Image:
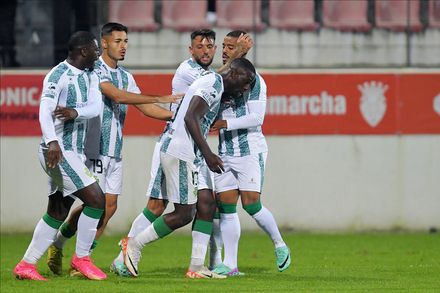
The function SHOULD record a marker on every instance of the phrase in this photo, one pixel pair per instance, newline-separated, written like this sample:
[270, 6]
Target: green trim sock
[93, 213]
[253, 208]
[95, 242]
[54, 223]
[217, 215]
[66, 231]
[227, 208]
[203, 226]
[149, 215]
[161, 228]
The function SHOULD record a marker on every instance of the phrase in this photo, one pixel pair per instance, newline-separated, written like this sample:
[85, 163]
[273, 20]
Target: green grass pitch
[397, 262]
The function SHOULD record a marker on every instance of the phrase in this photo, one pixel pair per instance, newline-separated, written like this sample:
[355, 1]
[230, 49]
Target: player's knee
[253, 208]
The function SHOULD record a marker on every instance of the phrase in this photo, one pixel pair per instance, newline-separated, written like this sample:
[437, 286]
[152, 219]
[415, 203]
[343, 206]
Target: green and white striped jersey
[68, 86]
[177, 140]
[243, 141]
[105, 134]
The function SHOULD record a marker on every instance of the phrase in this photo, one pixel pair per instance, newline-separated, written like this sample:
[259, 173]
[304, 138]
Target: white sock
[139, 224]
[41, 240]
[145, 237]
[86, 235]
[60, 240]
[231, 231]
[266, 221]
[215, 245]
[199, 247]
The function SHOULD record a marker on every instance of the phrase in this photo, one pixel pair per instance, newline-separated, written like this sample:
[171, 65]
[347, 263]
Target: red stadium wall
[298, 104]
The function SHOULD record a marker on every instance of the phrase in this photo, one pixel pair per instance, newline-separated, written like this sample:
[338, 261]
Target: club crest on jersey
[373, 103]
[88, 173]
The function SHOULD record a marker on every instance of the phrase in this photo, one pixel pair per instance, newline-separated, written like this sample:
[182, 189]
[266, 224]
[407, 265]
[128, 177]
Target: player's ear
[104, 43]
[84, 51]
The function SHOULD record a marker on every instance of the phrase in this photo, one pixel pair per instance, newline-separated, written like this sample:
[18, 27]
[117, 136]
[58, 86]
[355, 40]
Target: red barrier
[297, 103]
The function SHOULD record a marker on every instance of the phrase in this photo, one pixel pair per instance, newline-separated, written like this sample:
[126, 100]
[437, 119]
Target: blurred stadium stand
[184, 15]
[136, 15]
[346, 15]
[393, 15]
[293, 15]
[287, 34]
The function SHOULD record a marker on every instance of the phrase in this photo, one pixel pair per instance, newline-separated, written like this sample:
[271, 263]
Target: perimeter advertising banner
[297, 104]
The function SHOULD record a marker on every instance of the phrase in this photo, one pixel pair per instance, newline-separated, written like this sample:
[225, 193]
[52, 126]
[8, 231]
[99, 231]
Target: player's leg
[227, 189]
[202, 225]
[156, 205]
[215, 242]
[181, 186]
[231, 231]
[94, 205]
[250, 197]
[46, 229]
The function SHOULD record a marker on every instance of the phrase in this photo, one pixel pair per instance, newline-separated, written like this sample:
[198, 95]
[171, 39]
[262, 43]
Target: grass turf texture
[320, 263]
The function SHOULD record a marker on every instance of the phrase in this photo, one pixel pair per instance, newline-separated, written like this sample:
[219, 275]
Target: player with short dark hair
[183, 152]
[71, 96]
[104, 139]
[243, 149]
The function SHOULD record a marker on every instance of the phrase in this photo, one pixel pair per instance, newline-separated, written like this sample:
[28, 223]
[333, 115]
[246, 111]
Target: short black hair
[81, 39]
[110, 27]
[204, 32]
[243, 63]
[236, 33]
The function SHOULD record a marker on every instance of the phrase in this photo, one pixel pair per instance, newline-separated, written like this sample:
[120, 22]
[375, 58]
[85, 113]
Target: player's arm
[55, 154]
[255, 118]
[154, 111]
[196, 109]
[243, 45]
[124, 97]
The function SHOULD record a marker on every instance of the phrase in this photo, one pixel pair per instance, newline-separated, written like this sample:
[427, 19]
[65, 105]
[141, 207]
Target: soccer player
[202, 51]
[71, 95]
[243, 149]
[104, 140]
[183, 152]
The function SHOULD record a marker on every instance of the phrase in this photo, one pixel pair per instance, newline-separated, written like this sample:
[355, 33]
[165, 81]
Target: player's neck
[109, 61]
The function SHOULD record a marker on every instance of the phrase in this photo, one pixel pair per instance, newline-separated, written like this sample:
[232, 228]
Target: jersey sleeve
[103, 73]
[93, 107]
[132, 86]
[210, 89]
[51, 90]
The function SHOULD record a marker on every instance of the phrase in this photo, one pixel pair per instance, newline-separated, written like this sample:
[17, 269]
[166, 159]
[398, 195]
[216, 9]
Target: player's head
[238, 78]
[114, 41]
[229, 44]
[83, 50]
[203, 47]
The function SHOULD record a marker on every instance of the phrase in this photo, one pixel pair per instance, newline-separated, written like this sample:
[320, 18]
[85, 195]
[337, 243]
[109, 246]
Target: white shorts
[157, 185]
[206, 177]
[181, 180]
[69, 176]
[243, 173]
[107, 171]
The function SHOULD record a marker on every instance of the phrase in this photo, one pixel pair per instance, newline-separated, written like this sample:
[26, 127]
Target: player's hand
[65, 114]
[219, 124]
[175, 99]
[215, 164]
[54, 155]
[243, 45]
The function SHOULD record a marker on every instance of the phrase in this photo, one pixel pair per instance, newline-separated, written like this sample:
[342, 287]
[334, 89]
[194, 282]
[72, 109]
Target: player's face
[229, 48]
[203, 51]
[115, 45]
[240, 81]
[92, 56]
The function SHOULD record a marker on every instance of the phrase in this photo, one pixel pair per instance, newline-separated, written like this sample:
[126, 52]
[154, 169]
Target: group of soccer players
[81, 151]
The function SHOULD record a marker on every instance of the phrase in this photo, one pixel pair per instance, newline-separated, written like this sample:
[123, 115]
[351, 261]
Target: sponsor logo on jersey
[373, 103]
